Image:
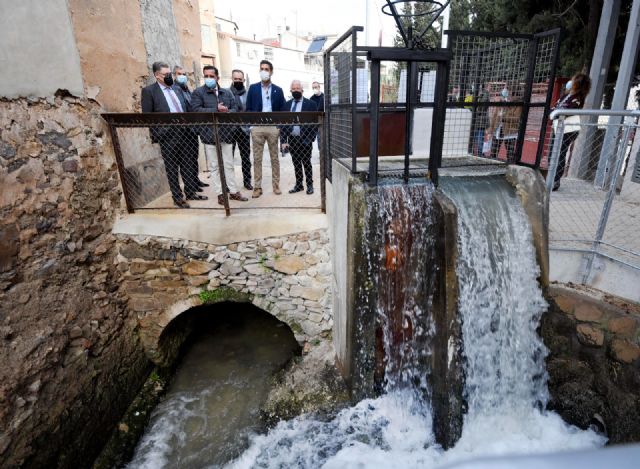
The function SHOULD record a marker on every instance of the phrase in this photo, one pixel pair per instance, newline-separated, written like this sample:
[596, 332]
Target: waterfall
[500, 304]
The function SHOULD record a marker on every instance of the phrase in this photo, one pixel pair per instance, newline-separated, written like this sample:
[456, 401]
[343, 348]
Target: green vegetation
[223, 294]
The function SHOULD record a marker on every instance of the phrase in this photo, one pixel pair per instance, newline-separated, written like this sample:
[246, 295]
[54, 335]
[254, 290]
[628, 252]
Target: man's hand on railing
[222, 108]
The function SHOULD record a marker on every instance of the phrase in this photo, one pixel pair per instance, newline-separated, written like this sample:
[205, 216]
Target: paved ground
[300, 200]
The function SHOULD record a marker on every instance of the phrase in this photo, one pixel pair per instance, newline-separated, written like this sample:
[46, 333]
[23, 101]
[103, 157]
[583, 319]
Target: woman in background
[579, 87]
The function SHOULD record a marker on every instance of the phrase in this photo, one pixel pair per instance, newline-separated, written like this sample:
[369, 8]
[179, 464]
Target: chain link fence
[594, 188]
[229, 161]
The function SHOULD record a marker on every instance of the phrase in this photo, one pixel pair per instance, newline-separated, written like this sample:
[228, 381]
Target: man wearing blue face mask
[181, 87]
[212, 98]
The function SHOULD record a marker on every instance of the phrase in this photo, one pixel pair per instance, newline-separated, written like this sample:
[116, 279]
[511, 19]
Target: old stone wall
[71, 357]
[287, 276]
[594, 361]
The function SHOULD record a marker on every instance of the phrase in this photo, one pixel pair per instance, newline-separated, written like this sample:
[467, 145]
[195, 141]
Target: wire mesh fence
[594, 188]
[219, 161]
[498, 89]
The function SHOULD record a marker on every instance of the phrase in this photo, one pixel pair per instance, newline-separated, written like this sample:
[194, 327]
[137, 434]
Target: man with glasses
[265, 97]
[161, 97]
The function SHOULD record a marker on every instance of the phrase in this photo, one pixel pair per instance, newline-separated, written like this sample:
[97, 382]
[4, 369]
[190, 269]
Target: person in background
[481, 121]
[578, 89]
[240, 135]
[503, 127]
[265, 97]
[161, 97]
[212, 98]
[181, 87]
[318, 100]
[299, 139]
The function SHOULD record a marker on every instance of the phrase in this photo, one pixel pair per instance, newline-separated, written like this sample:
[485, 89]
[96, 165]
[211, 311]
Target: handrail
[593, 112]
[344, 37]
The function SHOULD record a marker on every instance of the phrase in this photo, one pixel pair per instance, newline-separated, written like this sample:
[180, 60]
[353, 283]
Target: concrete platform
[212, 226]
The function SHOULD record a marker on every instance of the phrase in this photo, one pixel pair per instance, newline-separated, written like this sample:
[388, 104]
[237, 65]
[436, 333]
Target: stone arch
[162, 333]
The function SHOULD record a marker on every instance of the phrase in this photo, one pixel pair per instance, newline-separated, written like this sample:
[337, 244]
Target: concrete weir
[386, 302]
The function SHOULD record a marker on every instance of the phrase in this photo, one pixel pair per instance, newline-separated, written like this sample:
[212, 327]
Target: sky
[319, 17]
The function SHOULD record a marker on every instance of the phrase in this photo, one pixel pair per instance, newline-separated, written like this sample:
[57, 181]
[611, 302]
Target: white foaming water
[500, 305]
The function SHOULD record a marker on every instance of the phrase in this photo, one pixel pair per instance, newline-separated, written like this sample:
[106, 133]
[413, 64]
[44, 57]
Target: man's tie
[296, 128]
[175, 102]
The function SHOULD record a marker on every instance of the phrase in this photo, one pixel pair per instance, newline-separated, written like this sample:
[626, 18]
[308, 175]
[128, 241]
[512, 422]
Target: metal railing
[229, 161]
[593, 184]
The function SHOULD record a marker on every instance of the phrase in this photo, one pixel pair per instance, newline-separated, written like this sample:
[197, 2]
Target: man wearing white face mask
[265, 97]
[181, 87]
[212, 98]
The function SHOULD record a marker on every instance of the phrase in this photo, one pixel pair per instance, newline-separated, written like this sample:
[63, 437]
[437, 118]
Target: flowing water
[212, 404]
[500, 304]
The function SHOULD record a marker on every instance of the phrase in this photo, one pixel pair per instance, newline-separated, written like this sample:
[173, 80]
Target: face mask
[238, 85]
[569, 85]
[210, 82]
[264, 75]
[316, 91]
[296, 95]
[504, 93]
[168, 80]
[182, 80]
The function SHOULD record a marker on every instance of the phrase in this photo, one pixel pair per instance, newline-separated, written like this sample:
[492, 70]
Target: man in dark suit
[161, 97]
[299, 139]
[265, 97]
[240, 134]
[181, 87]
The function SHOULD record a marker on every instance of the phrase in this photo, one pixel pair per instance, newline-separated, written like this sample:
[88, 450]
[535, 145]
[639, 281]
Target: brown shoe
[277, 191]
[238, 196]
[220, 199]
[257, 192]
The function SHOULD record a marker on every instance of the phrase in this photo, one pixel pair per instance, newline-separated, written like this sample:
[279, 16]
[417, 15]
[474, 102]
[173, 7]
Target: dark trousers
[301, 158]
[192, 150]
[509, 144]
[567, 140]
[242, 140]
[178, 162]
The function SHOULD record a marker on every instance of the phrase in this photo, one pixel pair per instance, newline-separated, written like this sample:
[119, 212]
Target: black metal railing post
[374, 122]
[526, 98]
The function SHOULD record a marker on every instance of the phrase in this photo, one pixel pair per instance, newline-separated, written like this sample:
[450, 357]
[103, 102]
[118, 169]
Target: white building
[303, 62]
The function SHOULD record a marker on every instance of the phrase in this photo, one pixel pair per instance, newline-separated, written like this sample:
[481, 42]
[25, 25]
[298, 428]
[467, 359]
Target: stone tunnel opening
[225, 357]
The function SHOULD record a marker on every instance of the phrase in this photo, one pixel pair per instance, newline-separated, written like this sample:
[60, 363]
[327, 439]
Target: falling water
[500, 304]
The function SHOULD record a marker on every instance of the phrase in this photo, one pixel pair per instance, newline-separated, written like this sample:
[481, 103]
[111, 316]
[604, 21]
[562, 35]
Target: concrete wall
[187, 17]
[159, 28]
[38, 47]
[112, 51]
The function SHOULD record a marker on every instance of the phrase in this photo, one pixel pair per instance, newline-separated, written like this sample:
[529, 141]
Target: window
[238, 49]
[268, 53]
[206, 36]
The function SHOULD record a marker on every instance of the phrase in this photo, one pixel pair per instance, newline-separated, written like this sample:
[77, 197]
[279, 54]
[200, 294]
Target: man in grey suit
[212, 98]
[161, 97]
[192, 146]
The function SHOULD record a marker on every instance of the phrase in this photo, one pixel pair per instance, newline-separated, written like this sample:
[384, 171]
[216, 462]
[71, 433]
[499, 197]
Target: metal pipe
[374, 117]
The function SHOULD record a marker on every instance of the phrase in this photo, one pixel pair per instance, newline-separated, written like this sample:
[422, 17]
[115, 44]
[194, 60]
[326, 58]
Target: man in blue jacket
[212, 98]
[265, 97]
[299, 139]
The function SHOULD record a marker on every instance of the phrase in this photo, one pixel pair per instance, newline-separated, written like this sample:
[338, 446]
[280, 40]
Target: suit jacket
[204, 99]
[254, 98]
[318, 101]
[186, 95]
[307, 132]
[153, 100]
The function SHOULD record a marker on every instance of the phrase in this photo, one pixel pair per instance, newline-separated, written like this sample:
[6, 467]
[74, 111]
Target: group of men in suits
[179, 146]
